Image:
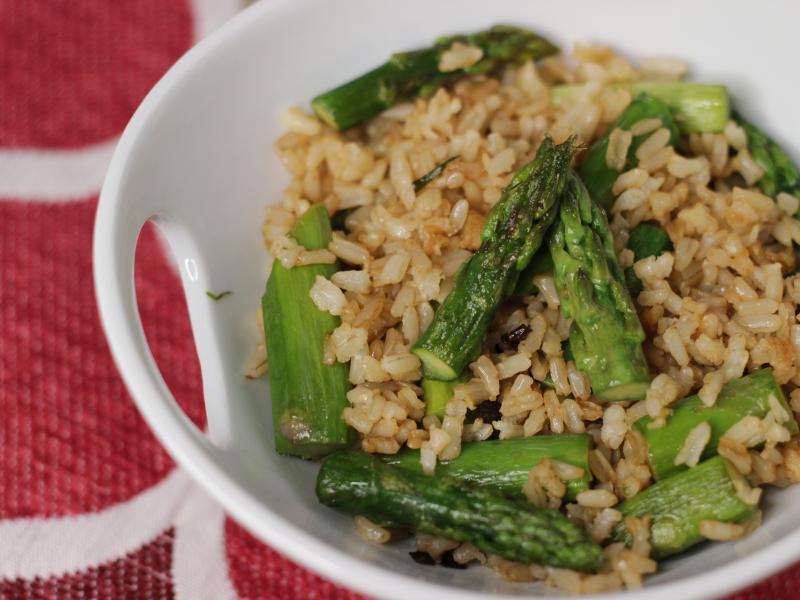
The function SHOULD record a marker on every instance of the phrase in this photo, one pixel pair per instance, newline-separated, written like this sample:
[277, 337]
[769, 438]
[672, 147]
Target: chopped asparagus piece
[679, 503]
[308, 396]
[695, 106]
[594, 170]
[739, 398]
[606, 336]
[512, 233]
[438, 393]
[416, 73]
[361, 484]
[502, 465]
[646, 239]
[780, 174]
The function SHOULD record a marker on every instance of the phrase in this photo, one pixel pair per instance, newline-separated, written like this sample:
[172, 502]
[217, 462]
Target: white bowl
[196, 158]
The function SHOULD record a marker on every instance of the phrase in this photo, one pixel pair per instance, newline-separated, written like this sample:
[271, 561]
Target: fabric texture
[90, 505]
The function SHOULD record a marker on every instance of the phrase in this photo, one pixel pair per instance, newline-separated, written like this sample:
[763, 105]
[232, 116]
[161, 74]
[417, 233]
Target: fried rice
[714, 308]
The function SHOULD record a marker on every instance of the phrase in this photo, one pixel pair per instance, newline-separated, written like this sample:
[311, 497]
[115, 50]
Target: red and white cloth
[90, 505]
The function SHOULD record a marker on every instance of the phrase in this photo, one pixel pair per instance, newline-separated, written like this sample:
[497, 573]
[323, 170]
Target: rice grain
[693, 446]
[719, 531]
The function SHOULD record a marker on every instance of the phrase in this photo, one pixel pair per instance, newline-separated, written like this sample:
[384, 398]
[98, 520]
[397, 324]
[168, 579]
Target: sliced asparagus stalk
[438, 393]
[678, 504]
[512, 233]
[739, 398]
[606, 336]
[695, 106]
[361, 484]
[598, 176]
[646, 239]
[780, 173]
[308, 396]
[502, 465]
[417, 73]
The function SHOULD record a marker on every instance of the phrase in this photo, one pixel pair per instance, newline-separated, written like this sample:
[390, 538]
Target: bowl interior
[200, 160]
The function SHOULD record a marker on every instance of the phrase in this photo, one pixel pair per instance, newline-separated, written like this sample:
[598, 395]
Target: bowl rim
[204, 465]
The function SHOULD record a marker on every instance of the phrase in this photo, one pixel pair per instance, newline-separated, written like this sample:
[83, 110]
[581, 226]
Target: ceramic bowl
[197, 160]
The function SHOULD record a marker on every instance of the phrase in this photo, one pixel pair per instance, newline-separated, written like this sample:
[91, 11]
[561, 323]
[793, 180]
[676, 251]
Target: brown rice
[713, 308]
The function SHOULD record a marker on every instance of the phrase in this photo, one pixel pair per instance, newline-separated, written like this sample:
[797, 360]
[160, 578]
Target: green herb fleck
[218, 297]
[432, 174]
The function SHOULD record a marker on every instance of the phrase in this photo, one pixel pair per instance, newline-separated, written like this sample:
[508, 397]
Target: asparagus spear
[307, 396]
[606, 336]
[780, 174]
[739, 398]
[646, 239]
[695, 106]
[417, 73]
[594, 170]
[502, 465]
[438, 393]
[541, 263]
[513, 231]
[361, 484]
[679, 503]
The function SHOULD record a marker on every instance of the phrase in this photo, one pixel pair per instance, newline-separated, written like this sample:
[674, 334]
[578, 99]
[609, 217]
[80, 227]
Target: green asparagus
[502, 465]
[679, 503]
[512, 233]
[437, 393]
[780, 174]
[739, 398]
[646, 239]
[541, 263]
[417, 73]
[307, 396]
[606, 336]
[361, 484]
[695, 106]
[598, 176]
